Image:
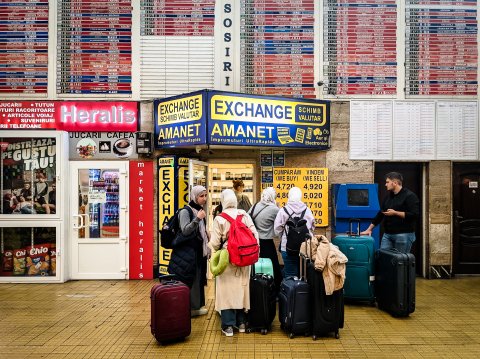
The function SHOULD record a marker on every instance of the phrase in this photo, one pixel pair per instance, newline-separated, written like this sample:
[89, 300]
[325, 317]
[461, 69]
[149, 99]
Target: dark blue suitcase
[395, 282]
[360, 271]
[294, 305]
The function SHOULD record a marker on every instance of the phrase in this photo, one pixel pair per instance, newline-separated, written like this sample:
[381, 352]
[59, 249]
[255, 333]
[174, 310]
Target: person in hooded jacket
[263, 214]
[188, 261]
[295, 207]
[232, 290]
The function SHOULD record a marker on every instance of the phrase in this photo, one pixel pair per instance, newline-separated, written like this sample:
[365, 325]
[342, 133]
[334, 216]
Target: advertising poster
[141, 220]
[314, 185]
[182, 182]
[279, 158]
[266, 158]
[180, 121]
[166, 204]
[267, 177]
[28, 170]
[249, 120]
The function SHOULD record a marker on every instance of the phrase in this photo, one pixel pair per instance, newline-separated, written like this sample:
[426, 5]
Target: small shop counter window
[28, 252]
[28, 169]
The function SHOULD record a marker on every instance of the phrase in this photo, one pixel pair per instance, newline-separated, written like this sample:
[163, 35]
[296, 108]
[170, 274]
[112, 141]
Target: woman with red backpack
[232, 291]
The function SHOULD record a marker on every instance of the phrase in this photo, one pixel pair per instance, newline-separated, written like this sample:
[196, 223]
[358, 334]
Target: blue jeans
[232, 317]
[291, 265]
[401, 241]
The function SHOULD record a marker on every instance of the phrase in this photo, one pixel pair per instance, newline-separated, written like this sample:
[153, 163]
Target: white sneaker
[241, 328]
[228, 331]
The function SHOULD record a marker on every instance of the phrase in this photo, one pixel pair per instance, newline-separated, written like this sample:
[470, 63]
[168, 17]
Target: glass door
[99, 221]
[198, 175]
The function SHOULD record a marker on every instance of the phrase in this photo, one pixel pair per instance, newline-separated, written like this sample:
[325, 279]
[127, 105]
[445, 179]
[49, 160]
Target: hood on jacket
[295, 207]
[295, 194]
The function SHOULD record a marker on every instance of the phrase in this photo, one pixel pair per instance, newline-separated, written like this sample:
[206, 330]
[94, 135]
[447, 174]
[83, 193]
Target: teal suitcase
[360, 272]
[264, 265]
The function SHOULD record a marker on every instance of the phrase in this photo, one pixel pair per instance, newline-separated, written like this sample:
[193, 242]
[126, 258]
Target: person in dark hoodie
[295, 208]
[189, 260]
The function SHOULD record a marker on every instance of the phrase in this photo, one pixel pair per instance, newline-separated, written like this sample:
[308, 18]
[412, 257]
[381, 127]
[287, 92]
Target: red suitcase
[170, 310]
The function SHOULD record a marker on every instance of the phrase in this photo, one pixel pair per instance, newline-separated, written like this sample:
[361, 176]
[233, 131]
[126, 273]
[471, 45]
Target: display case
[101, 196]
[221, 177]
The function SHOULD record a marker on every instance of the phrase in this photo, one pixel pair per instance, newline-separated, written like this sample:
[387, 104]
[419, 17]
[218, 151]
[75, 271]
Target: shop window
[28, 173]
[28, 251]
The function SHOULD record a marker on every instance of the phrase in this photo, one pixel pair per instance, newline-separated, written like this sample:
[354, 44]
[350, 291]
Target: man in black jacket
[399, 214]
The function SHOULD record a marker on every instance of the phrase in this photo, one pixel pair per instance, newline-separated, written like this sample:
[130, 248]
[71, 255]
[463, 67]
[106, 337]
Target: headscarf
[194, 194]
[268, 196]
[228, 199]
[295, 194]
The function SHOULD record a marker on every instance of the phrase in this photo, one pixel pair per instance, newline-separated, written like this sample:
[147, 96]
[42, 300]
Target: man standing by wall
[399, 212]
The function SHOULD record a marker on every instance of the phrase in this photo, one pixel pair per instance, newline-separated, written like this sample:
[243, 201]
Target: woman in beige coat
[232, 292]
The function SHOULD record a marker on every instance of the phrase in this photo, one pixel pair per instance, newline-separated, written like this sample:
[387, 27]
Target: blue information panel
[94, 47]
[250, 120]
[23, 47]
[180, 120]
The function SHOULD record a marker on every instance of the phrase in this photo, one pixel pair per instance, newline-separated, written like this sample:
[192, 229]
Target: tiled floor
[110, 319]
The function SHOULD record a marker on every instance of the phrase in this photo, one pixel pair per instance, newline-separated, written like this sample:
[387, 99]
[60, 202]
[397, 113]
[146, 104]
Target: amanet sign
[242, 120]
[180, 121]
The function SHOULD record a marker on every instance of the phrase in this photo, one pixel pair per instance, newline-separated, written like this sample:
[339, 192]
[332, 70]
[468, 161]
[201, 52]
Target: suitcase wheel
[314, 337]
[337, 335]
[291, 335]
[264, 331]
[249, 330]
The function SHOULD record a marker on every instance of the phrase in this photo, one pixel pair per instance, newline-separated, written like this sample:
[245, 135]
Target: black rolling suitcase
[395, 282]
[263, 302]
[294, 305]
[327, 310]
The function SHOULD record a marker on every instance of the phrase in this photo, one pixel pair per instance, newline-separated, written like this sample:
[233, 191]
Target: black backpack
[171, 229]
[296, 231]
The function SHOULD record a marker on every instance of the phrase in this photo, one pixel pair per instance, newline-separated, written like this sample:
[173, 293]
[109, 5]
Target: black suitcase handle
[167, 278]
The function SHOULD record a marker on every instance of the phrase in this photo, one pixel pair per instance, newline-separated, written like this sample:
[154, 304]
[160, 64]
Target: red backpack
[243, 248]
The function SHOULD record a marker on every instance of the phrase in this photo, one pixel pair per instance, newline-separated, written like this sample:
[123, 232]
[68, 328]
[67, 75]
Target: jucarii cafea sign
[69, 115]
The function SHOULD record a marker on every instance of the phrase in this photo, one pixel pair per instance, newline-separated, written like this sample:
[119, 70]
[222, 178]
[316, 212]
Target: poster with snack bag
[53, 261]
[38, 260]
[7, 262]
[19, 261]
